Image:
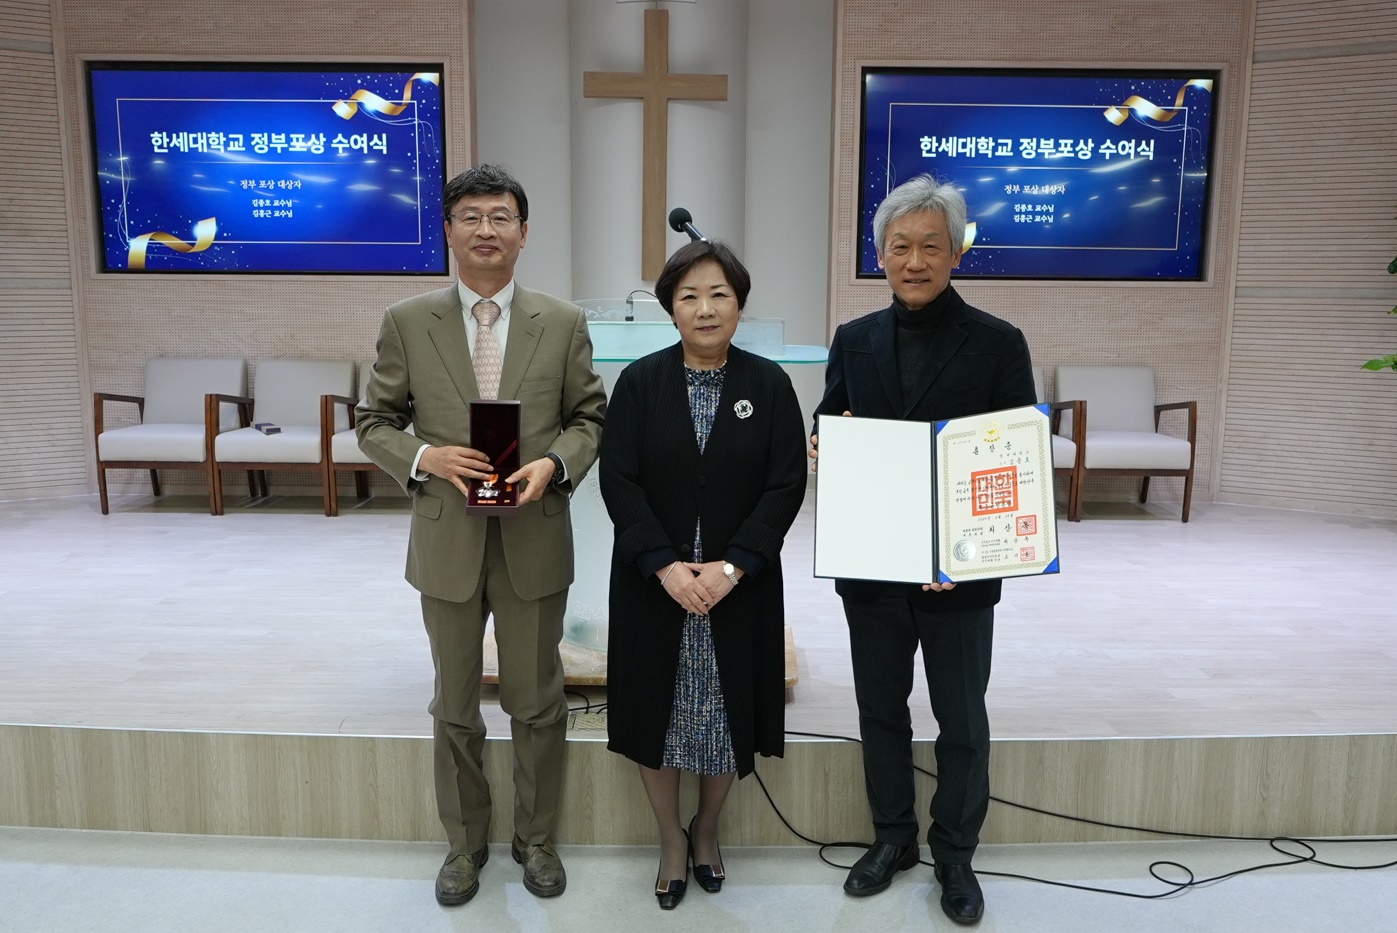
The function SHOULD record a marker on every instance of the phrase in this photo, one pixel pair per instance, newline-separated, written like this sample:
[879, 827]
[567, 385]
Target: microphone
[681, 221]
[630, 302]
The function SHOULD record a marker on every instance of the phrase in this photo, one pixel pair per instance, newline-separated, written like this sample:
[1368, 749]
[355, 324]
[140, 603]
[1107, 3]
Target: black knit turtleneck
[915, 332]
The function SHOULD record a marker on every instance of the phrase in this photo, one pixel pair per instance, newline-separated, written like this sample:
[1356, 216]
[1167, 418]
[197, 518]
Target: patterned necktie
[488, 361]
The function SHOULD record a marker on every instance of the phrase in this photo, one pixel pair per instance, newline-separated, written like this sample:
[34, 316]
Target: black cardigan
[746, 487]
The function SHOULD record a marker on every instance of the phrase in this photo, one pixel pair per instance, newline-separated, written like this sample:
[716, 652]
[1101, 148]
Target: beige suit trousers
[527, 633]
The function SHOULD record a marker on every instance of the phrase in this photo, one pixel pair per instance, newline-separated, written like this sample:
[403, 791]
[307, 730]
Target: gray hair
[922, 193]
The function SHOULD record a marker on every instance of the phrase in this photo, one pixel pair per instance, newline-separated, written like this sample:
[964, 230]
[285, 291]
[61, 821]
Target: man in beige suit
[487, 337]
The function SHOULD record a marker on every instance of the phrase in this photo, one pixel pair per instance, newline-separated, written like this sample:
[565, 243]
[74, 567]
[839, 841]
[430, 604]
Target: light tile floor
[67, 881]
[1232, 624]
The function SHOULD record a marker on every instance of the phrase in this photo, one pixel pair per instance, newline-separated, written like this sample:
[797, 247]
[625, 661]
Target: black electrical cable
[586, 700]
[588, 706]
[1310, 855]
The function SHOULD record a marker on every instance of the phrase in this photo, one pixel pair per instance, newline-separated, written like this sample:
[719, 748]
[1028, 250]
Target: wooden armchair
[1067, 452]
[287, 394]
[177, 423]
[342, 446]
[1123, 438]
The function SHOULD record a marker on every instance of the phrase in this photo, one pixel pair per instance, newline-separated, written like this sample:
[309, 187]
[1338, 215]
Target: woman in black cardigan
[703, 470]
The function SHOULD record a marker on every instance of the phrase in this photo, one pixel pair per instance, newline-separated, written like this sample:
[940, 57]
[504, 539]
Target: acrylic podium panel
[617, 342]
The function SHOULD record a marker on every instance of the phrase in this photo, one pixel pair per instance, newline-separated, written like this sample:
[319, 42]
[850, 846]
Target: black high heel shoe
[710, 880]
[673, 892]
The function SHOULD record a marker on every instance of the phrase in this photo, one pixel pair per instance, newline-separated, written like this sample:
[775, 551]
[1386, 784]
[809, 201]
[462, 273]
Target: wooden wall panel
[1305, 427]
[1318, 210]
[25, 21]
[1305, 26]
[363, 787]
[41, 421]
[42, 444]
[1177, 328]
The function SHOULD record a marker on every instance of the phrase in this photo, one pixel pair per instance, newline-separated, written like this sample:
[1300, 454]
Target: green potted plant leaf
[1389, 361]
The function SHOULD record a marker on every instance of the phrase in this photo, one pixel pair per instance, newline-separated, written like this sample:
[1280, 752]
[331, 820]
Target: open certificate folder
[963, 499]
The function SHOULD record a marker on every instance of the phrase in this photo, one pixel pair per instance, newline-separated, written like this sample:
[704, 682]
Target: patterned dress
[698, 739]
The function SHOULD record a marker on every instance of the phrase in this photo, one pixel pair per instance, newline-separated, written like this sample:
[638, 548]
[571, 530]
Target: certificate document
[874, 500]
[955, 501]
[994, 487]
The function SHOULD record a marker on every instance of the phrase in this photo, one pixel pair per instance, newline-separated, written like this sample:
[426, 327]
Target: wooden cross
[657, 86]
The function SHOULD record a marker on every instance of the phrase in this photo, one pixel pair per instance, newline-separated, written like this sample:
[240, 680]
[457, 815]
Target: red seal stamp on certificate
[994, 491]
[1028, 553]
[1026, 525]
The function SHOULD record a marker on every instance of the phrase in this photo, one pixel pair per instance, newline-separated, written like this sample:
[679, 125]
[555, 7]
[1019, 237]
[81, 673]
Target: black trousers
[884, 634]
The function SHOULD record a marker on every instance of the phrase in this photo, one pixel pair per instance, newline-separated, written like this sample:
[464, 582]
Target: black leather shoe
[672, 892]
[708, 878]
[874, 870]
[961, 897]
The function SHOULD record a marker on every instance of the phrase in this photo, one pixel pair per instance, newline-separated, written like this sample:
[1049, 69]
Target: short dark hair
[686, 257]
[484, 179]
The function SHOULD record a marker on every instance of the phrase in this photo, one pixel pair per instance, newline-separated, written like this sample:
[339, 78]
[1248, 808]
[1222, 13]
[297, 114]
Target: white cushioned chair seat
[153, 442]
[295, 444]
[344, 448]
[1064, 452]
[1133, 450]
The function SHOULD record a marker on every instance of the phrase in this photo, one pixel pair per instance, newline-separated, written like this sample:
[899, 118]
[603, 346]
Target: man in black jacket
[927, 357]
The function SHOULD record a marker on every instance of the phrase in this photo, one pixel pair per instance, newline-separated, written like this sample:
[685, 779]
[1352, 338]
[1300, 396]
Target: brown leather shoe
[543, 870]
[459, 878]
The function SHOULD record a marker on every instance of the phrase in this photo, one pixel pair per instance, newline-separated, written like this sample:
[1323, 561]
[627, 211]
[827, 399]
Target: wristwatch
[730, 572]
[558, 471]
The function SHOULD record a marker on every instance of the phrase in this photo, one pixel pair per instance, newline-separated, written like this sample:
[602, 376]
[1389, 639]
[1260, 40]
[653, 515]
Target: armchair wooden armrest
[327, 433]
[1077, 471]
[327, 410]
[327, 419]
[256, 479]
[1190, 407]
[214, 399]
[1079, 419]
[98, 398]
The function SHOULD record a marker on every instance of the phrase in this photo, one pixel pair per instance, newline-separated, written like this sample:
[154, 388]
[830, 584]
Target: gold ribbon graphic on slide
[969, 239]
[204, 232]
[1117, 115]
[372, 101]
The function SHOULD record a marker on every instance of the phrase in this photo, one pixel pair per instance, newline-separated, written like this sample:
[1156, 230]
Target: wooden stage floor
[275, 619]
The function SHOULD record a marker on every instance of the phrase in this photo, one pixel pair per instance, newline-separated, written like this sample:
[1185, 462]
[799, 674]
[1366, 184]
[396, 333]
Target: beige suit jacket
[424, 377]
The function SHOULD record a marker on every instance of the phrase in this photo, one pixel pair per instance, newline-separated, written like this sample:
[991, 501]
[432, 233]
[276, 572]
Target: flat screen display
[268, 168]
[1066, 174]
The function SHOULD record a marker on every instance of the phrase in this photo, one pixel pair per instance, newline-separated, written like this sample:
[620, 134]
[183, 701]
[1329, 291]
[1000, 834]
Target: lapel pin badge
[743, 409]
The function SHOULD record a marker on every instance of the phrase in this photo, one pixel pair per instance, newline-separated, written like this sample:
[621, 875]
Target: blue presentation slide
[1072, 176]
[268, 169]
